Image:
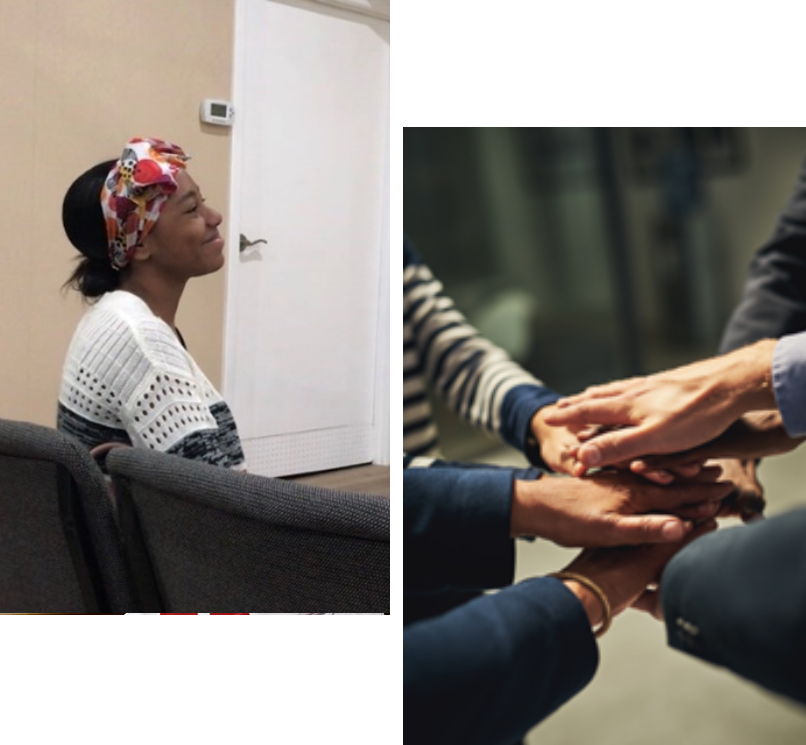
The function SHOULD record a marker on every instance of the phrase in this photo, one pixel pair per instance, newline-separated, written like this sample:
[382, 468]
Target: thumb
[638, 529]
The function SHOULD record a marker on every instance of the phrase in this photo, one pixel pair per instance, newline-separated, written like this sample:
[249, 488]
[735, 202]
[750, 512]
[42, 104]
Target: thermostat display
[214, 111]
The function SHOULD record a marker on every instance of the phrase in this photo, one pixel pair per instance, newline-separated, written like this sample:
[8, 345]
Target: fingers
[746, 505]
[625, 573]
[656, 557]
[698, 512]
[639, 529]
[586, 413]
[686, 470]
[705, 474]
[688, 504]
[600, 447]
[750, 516]
[586, 434]
[747, 498]
[665, 476]
[646, 468]
[680, 493]
[657, 477]
[649, 602]
[606, 390]
[692, 509]
[613, 447]
[662, 529]
[683, 463]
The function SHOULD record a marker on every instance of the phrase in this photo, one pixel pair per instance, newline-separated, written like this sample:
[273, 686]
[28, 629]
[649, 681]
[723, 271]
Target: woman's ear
[143, 251]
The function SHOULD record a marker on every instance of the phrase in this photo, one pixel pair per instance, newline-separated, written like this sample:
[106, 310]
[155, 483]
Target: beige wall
[77, 79]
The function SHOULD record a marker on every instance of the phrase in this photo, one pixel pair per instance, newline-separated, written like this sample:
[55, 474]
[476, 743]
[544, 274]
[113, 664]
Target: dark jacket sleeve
[456, 529]
[736, 598]
[490, 669]
[773, 303]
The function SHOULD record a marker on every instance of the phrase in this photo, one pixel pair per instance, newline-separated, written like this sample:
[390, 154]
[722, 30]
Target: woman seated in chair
[143, 229]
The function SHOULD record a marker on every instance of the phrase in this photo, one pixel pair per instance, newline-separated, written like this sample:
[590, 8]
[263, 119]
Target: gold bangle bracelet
[596, 590]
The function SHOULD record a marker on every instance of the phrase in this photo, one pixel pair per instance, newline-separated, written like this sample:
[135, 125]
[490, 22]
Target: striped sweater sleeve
[476, 379]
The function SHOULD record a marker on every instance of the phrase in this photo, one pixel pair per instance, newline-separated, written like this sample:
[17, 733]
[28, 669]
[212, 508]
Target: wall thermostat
[215, 111]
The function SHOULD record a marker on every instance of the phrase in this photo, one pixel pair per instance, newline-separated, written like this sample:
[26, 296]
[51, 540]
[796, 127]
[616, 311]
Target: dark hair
[83, 221]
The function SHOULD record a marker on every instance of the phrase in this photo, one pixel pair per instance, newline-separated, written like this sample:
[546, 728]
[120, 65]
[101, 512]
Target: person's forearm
[731, 384]
[455, 529]
[529, 515]
[750, 376]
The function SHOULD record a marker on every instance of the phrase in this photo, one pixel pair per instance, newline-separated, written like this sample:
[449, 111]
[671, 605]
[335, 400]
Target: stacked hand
[628, 575]
[559, 446]
[667, 412]
[614, 508]
[720, 408]
[683, 418]
[756, 435]
[636, 527]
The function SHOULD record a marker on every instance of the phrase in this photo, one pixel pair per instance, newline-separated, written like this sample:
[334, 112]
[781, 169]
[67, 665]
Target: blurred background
[591, 254]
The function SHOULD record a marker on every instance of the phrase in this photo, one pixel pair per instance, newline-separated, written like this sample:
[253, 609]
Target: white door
[307, 325]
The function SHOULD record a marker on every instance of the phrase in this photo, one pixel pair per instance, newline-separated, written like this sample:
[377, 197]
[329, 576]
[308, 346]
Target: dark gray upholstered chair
[59, 548]
[206, 539]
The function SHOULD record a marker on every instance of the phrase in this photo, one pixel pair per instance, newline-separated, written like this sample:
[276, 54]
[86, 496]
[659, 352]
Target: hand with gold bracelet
[609, 580]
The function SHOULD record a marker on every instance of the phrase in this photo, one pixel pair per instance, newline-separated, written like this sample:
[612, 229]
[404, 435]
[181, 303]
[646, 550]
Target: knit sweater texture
[127, 378]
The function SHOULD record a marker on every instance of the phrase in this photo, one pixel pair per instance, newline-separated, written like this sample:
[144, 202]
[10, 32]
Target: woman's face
[185, 241]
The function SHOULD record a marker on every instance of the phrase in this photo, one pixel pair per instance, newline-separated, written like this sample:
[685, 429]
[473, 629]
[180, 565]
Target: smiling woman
[143, 230]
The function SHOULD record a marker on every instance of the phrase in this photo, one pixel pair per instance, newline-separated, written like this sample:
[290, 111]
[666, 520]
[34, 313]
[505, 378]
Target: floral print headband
[135, 191]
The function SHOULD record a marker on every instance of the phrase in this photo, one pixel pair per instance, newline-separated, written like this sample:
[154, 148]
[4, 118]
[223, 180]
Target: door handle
[246, 243]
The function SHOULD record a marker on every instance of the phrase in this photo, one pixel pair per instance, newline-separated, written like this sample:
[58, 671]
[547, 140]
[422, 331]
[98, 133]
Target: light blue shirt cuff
[789, 382]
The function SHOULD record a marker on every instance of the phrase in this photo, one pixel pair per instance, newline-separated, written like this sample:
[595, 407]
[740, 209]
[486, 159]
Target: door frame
[383, 347]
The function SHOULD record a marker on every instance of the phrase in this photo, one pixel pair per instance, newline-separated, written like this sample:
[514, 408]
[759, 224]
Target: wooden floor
[363, 479]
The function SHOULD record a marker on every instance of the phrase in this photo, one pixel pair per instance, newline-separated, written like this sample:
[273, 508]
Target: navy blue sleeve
[456, 525]
[773, 303]
[485, 673]
[520, 405]
[736, 598]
